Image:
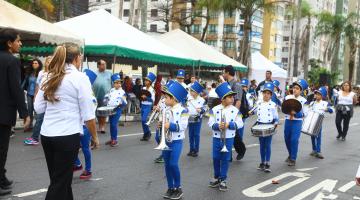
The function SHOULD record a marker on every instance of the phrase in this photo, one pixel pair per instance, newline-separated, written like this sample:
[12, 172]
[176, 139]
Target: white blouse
[346, 100]
[75, 105]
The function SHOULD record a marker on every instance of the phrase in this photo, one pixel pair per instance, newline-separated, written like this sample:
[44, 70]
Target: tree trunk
[307, 48]
[203, 35]
[121, 8]
[131, 14]
[352, 61]
[245, 41]
[297, 38]
[143, 16]
[335, 57]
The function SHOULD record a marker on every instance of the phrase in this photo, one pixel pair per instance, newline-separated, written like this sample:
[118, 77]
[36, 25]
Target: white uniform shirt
[193, 104]
[319, 106]
[346, 100]
[116, 97]
[178, 121]
[75, 105]
[250, 99]
[267, 112]
[152, 92]
[212, 93]
[232, 115]
[304, 108]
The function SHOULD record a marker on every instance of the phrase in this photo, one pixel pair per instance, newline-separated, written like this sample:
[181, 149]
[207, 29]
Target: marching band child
[160, 108]
[250, 100]
[276, 96]
[180, 77]
[116, 98]
[267, 114]
[176, 125]
[293, 122]
[196, 107]
[320, 106]
[85, 139]
[224, 120]
[146, 105]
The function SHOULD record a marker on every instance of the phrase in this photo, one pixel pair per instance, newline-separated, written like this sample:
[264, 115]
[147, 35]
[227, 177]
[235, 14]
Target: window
[284, 60]
[229, 44]
[285, 49]
[183, 14]
[229, 14]
[153, 28]
[154, 12]
[286, 38]
[108, 10]
[214, 15]
[213, 28]
[228, 28]
[136, 11]
[197, 12]
[126, 12]
[154, 0]
[212, 43]
[195, 29]
[126, 0]
[107, 0]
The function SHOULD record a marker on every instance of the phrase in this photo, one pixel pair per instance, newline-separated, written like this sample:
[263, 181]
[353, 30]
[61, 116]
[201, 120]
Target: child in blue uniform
[293, 122]
[276, 95]
[85, 139]
[196, 107]
[320, 106]
[115, 98]
[146, 105]
[176, 125]
[249, 100]
[266, 111]
[224, 120]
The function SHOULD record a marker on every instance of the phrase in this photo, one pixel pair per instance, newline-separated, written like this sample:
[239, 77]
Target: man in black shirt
[262, 83]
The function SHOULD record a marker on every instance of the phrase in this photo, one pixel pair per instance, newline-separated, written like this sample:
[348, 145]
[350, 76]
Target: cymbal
[291, 105]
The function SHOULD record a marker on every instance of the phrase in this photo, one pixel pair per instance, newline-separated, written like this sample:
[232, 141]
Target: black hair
[230, 69]
[268, 71]
[7, 35]
[213, 85]
[38, 69]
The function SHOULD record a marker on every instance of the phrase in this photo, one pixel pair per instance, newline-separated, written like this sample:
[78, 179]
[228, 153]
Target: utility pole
[61, 10]
[143, 26]
[297, 40]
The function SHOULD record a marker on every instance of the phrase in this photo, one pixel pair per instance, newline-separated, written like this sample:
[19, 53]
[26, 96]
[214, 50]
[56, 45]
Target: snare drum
[194, 118]
[263, 130]
[312, 123]
[105, 111]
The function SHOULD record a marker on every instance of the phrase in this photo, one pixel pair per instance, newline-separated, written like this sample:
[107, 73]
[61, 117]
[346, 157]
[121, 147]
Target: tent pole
[113, 65]
[199, 69]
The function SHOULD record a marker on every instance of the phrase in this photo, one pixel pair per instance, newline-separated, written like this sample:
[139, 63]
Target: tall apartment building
[131, 11]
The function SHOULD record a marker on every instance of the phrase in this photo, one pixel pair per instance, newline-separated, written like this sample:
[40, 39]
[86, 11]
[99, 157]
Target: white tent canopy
[197, 50]
[107, 35]
[32, 28]
[260, 64]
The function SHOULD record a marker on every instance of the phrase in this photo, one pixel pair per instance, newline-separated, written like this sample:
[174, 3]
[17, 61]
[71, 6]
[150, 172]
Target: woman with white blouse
[65, 97]
[344, 109]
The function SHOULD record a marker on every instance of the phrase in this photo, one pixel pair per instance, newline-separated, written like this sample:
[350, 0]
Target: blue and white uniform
[146, 106]
[233, 118]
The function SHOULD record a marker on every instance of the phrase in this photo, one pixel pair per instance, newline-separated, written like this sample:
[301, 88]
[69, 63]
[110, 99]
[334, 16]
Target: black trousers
[60, 153]
[5, 132]
[339, 118]
[239, 145]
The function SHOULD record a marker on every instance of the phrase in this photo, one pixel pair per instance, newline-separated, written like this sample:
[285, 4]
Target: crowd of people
[68, 103]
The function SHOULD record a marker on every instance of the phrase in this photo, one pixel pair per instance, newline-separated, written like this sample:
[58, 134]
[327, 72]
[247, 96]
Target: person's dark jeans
[5, 132]
[60, 153]
[339, 118]
[36, 130]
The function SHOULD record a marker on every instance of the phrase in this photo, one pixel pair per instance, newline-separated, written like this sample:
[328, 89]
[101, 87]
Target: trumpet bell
[162, 147]
[224, 149]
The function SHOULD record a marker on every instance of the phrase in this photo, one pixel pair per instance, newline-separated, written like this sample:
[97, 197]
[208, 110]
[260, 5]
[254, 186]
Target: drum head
[291, 105]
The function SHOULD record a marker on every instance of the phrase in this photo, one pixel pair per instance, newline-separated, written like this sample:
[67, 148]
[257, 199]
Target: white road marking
[96, 179]
[353, 124]
[129, 135]
[306, 169]
[31, 193]
[327, 185]
[347, 186]
[248, 146]
[356, 197]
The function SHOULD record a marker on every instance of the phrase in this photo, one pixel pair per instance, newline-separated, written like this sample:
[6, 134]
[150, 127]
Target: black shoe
[261, 167]
[292, 163]
[223, 187]
[267, 168]
[287, 159]
[338, 137]
[214, 183]
[195, 154]
[239, 157]
[4, 192]
[177, 194]
[144, 139]
[168, 193]
[190, 153]
[5, 183]
[343, 139]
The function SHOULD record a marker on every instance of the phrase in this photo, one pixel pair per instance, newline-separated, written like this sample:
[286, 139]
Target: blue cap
[115, 77]
[322, 90]
[177, 91]
[167, 85]
[224, 90]
[269, 87]
[197, 87]
[244, 82]
[151, 77]
[92, 75]
[180, 73]
[302, 84]
[276, 83]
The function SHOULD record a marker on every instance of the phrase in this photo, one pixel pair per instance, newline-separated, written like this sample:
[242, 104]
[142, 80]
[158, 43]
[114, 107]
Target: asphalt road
[128, 171]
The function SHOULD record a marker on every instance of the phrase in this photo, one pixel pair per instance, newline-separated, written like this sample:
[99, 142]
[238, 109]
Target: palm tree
[352, 34]
[334, 26]
[42, 8]
[210, 6]
[247, 9]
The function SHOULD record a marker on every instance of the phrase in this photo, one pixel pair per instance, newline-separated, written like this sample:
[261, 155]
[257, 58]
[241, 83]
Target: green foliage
[317, 70]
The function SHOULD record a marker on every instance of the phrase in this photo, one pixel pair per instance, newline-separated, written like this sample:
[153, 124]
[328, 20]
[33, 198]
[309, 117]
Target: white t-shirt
[346, 100]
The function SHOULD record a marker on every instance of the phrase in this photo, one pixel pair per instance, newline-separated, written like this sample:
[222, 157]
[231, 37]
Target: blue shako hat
[302, 84]
[92, 75]
[180, 73]
[197, 87]
[115, 77]
[177, 91]
[167, 85]
[276, 83]
[322, 90]
[244, 82]
[224, 90]
[151, 77]
[269, 87]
